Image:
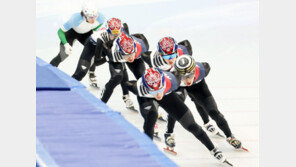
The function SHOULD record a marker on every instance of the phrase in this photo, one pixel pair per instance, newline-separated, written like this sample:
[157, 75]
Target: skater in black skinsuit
[156, 88]
[126, 50]
[95, 46]
[192, 77]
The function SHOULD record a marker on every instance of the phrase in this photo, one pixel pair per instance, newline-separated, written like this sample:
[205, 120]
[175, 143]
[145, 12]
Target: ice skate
[93, 80]
[220, 157]
[160, 117]
[212, 130]
[170, 143]
[129, 103]
[156, 134]
[235, 143]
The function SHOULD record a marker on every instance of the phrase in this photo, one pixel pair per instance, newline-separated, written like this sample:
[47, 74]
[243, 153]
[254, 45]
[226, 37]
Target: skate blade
[219, 135]
[162, 119]
[132, 109]
[94, 85]
[243, 148]
[168, 150]
[227, 163]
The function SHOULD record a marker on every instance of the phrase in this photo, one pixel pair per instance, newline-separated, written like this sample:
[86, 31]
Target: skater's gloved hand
[68, 48]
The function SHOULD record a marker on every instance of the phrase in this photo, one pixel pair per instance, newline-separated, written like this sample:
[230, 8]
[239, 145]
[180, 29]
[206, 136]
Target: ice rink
[223, 33]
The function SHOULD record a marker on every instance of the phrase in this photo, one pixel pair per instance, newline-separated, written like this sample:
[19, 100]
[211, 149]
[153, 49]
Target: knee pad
[63, 54]
[182, 94]
[84, 66]
[117, 78]
[148, 107]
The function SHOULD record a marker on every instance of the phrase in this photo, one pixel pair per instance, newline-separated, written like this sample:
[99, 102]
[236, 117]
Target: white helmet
[89, 9]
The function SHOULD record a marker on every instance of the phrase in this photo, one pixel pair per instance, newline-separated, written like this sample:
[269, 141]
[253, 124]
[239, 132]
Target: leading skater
[79, 27]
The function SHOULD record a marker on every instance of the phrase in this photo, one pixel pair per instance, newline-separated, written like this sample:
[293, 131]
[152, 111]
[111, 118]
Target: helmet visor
[154, 92]
[129, 55]
[169, 57]
[188, 75]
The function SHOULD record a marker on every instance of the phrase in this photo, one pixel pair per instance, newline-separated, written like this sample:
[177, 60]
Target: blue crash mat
[51, 78]
[75, 133]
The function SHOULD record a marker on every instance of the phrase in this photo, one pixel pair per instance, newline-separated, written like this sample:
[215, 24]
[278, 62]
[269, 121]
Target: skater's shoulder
[76, 18]
[101, 18]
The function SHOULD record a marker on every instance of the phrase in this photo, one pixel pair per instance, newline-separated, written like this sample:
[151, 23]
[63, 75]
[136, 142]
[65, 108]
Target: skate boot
[156, 133]
[170, 143]
[160, 117]
[212, 129]
[219, 156]
[93, 80]
[129, 103]
[235, 143]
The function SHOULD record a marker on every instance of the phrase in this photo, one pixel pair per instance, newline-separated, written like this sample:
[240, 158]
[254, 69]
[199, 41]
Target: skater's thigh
[137, 68]
[71, 36]
[199, 92]
[116, 69]
[147, 105]
[182, 93]
[174, 105]
[88, 52]
[83, 37]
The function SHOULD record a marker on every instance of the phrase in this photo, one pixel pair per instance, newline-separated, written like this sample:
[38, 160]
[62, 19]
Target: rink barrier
[57, 134]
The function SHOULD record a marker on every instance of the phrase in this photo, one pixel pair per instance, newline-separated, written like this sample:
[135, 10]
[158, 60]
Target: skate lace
[128, 103]
[211, 128]
[170, 141]
[218, 155]
[234, 142]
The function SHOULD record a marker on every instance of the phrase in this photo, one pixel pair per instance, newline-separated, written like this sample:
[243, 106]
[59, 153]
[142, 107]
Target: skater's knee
[149, 111]
[187, 120]
[117, 78]
[210, 103]
[63, 55]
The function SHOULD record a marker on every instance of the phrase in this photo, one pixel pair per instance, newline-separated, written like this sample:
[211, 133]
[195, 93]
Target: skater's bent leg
[124, 79]
[171, 124]
[149, 113]
[86, 58]
[188, 122]
[202, 112]
[81, 70]
[92, 68]
[175, 107]
[218, 117]
[60, 57]
[116, 71]
[71, 36]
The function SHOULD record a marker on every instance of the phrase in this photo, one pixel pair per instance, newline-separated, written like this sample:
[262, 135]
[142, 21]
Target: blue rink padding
[49, 77]
[76, 129]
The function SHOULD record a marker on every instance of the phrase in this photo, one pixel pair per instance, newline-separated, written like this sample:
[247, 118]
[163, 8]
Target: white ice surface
[223, 33]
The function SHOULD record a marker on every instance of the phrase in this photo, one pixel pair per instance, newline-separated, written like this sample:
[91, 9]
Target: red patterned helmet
[167, 46]
[126, 44]
[154, 79]
[114, 26]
